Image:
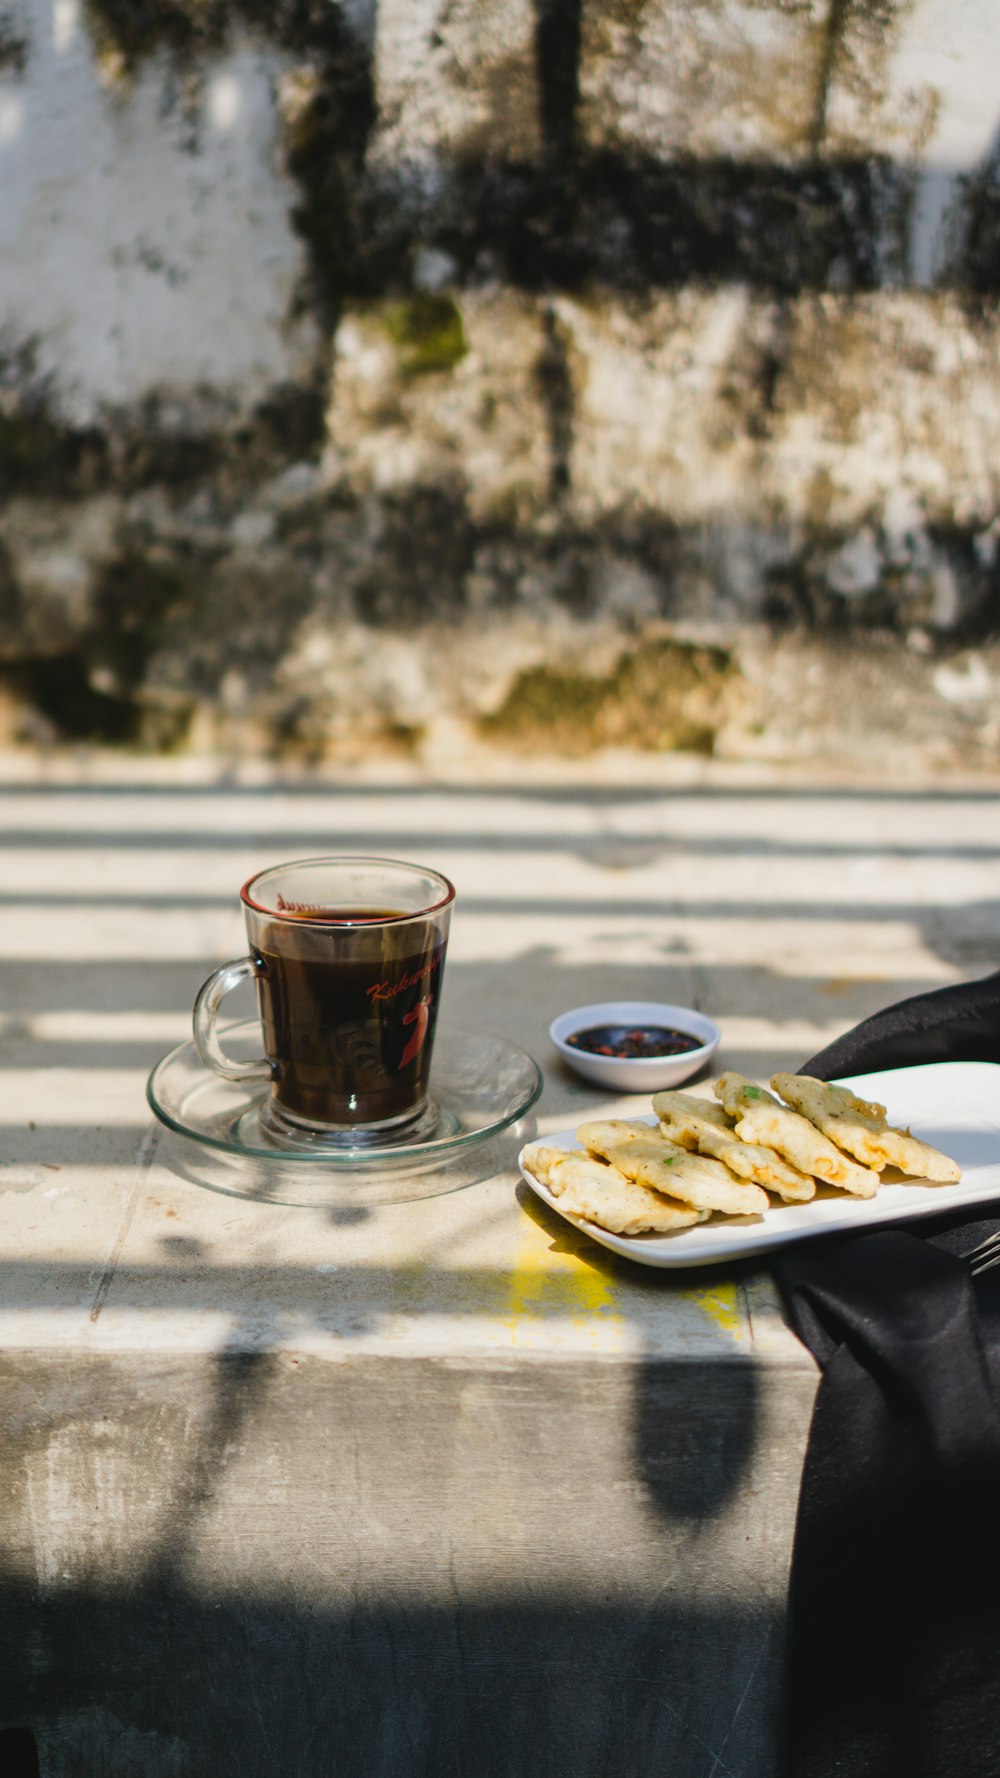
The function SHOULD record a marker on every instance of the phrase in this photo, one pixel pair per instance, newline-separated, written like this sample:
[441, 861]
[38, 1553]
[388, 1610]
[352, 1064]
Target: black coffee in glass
[350, 1036]
[348, 958]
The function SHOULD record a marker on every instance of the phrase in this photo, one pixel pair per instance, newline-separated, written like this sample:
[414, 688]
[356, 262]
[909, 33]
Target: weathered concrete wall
[359, 363]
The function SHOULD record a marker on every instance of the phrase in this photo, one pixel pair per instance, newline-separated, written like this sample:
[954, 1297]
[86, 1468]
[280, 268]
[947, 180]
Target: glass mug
[347, 955]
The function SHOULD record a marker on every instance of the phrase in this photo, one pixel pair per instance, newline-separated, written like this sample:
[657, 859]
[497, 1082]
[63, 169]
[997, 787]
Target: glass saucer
[481, 1088]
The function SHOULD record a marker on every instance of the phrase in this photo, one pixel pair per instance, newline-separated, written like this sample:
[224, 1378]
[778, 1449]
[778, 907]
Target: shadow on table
[158, 1684]
[144, 1676]
[143, 1493]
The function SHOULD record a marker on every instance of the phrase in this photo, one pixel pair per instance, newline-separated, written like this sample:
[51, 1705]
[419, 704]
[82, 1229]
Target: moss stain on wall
[664, 697]
[427, 333]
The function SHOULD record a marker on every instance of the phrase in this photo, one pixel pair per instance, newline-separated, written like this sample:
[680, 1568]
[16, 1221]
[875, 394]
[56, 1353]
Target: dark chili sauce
[628, 1041]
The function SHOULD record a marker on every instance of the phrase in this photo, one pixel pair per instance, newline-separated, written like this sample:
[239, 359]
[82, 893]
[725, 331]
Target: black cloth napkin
[894, 1599]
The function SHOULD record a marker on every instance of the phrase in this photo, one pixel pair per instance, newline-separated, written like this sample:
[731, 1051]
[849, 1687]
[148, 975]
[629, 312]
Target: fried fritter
[681, 1105]
[591, 1189]
[762, 1119]
[716, 1136]
[647, 1157]
[860, 1127]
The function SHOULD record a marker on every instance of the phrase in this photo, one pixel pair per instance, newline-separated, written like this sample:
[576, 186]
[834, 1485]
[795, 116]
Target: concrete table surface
[435, 1486]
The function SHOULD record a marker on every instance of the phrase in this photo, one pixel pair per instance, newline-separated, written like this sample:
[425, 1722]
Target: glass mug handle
[206, 1012]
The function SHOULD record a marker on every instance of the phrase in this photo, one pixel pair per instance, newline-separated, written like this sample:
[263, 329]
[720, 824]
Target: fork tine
[985, 1255]
[985, 1245]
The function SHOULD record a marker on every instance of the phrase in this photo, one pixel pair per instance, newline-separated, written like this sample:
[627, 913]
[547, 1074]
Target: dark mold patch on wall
[44, 455]
[637, 224]
[557, 52]
[65, 704]
[415, 572]
[555, 384]
[37, 454]
[13, 43]
[979, 244]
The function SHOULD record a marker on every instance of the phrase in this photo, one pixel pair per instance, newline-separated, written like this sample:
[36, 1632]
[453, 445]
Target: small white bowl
[635, 1074]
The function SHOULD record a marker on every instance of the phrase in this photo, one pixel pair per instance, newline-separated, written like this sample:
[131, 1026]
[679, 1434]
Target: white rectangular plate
[955, 1106]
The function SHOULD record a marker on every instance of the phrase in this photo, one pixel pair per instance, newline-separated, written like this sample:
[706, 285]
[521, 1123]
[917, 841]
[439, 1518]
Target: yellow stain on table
[554, 1279]
[721, 1303]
